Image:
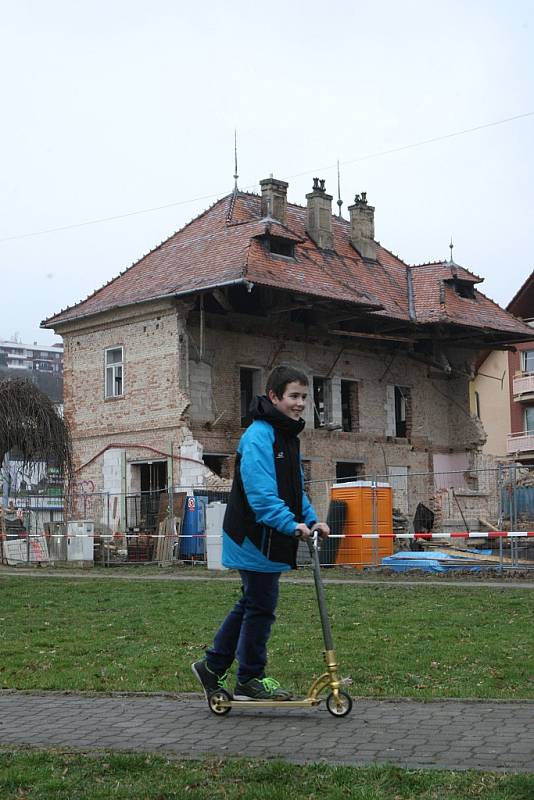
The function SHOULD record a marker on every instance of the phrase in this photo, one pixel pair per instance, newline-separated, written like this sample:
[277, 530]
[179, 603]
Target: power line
[367, 157]
[423, 142]
[110, 219]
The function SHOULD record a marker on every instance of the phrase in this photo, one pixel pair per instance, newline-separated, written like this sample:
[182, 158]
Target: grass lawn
[412, 641]
[60, 776]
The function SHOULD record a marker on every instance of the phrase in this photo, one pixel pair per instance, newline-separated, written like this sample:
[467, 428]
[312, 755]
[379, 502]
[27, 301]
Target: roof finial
[451, 247]
[236, 176]
[339, 200]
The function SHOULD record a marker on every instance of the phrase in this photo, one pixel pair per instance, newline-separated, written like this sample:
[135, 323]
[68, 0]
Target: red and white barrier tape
[451, 535]
[175, 536]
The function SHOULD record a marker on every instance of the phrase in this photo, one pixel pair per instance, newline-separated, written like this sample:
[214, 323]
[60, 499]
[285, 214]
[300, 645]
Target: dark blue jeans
[246, 629]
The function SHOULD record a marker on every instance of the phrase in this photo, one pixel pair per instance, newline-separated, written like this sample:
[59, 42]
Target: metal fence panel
[489, 510]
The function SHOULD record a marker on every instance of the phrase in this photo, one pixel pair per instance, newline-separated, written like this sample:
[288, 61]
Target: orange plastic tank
[369, 509]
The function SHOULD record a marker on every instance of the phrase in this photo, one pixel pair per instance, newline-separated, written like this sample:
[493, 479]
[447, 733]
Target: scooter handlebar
[314, 536]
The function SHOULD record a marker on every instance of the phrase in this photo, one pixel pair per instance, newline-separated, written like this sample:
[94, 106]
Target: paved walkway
[443, 734]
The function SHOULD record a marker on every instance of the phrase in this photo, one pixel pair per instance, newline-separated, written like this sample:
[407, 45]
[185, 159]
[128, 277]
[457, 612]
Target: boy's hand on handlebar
[302, 530]
[322, 528]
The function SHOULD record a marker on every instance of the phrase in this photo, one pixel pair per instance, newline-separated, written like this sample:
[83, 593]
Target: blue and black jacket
[267, 500]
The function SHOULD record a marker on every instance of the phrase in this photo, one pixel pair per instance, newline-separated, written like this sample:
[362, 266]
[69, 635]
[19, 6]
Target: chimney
[274, 199]
[362, 227]
[319, 215]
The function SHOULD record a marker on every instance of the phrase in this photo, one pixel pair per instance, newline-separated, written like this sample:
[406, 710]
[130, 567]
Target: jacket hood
[262, 408]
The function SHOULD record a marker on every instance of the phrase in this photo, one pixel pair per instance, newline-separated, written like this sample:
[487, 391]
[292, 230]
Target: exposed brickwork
[436, 422]
[149, 418]
[156, 411]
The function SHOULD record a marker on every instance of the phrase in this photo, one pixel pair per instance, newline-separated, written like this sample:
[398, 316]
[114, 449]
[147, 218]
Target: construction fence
[471, 520]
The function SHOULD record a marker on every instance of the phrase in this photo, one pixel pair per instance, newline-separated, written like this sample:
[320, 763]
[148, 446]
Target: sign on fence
[17, 551]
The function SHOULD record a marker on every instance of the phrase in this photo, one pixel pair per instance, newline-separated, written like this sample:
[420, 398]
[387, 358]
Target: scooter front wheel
[340, 706]
[215, 701]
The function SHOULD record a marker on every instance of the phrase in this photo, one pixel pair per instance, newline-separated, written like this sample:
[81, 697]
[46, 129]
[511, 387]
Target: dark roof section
[225, 245]
[522, 303]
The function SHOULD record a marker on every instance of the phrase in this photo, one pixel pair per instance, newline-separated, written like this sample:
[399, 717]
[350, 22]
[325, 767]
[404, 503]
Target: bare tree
[31, 425]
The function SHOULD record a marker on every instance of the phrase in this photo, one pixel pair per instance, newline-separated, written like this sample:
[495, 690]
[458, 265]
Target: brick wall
[171, 395]
[151, 411]
[438, 409]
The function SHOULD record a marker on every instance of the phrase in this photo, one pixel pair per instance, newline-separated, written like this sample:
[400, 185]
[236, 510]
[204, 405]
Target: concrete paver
[439, 734]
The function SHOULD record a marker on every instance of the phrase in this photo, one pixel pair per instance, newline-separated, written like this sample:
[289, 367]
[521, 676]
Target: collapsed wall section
[405, 411]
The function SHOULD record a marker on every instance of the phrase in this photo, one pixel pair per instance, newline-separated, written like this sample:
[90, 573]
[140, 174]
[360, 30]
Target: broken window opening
[143, 508]
[219, 464]
[281, 247]
[319, 405]
[402, 399]
[349, 406]
[153, 476]
[349, 471]
[464, 289]
[249, 387]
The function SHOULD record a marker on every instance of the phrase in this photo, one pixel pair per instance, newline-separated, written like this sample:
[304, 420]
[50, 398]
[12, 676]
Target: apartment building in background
[42, 358]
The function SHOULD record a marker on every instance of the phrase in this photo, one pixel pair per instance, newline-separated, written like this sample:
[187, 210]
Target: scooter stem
[321, 599]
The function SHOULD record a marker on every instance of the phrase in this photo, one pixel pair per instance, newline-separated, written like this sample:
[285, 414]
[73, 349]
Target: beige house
[490, 401]
[503, 390]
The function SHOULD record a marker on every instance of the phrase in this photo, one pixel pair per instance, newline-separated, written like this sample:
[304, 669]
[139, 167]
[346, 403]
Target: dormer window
[281, 247]
[464, 289]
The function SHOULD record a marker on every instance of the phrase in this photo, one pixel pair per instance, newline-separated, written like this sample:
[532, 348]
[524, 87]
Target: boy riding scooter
[266, 515]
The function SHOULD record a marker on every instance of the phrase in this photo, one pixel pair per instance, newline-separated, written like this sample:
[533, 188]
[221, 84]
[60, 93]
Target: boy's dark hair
[281, 376]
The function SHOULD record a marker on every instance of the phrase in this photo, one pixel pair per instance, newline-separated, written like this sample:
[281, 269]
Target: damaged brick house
[166, 357]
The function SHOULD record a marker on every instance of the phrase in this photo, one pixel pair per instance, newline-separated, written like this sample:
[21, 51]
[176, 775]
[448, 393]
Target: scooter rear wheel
[214, 702]
[341, 706]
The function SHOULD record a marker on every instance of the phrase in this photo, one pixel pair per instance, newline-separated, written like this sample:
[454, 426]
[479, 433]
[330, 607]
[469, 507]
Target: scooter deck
[304, 702]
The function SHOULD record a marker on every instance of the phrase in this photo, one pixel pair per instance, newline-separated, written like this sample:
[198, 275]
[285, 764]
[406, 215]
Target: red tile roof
[436, 300]
[224, 245]
[272, 227]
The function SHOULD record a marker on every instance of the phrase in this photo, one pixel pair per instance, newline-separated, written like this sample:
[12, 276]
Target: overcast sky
[111, 107]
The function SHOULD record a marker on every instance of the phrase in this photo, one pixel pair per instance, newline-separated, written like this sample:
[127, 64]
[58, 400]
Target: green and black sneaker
[261, 689]
[210, 680]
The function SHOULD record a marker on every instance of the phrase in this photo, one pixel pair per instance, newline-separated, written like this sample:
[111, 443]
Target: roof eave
[500, 336]
[50, 323]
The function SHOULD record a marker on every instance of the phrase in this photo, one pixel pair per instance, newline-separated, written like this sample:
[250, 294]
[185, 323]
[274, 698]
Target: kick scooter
[338, 702]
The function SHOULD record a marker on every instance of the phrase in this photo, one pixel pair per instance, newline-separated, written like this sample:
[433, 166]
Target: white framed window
[114, 386]
[527, 360]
